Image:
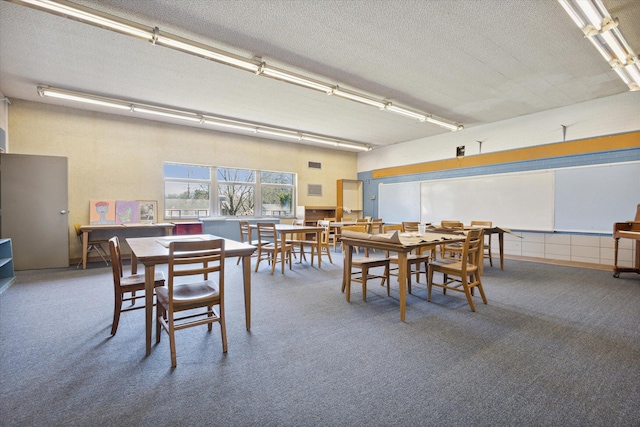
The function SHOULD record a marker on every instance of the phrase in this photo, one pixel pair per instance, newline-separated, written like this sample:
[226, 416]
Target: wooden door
[33, 210]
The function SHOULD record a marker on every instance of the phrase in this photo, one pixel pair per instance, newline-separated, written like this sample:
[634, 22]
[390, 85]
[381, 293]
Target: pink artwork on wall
[127, 211]
[102, 211]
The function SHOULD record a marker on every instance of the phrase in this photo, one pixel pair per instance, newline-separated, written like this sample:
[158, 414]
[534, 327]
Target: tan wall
[120, 158]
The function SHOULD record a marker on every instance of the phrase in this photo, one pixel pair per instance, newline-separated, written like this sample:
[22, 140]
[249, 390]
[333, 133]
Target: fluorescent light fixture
[89, 16]
[357, 97]
[229, 125]
[297, 79]
[282, 134]
[203, 119]
[46, 91]
[355, 147]
[154, 35]
[451, 126]
[206, 52]
[603, 31]
[172, 115]
[405, 112]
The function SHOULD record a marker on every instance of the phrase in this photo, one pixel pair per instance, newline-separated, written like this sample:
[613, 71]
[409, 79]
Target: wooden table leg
[283, 241]
[149, 271]
[347, 254]
[402, 283]
[85, 245]
[134, 264]
[501, 242]
[318, 248]
[246, 277]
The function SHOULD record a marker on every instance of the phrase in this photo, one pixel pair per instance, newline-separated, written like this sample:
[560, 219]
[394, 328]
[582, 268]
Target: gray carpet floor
[555, 346]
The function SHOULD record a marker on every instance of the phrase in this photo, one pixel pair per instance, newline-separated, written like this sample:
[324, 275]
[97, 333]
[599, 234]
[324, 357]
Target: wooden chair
[324, 242]
[269, 248]
[413, 260]
[410, 226]
[487, 239]
[245, 236]
[451, 250]
[125, 287]
[364, 265]
[92, 245]
[299, 242]
[376, 225]
[334, 234]
[464, 270]
[193, 261]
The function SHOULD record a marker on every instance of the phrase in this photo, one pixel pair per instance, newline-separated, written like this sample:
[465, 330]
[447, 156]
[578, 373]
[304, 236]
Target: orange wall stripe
[582, 146]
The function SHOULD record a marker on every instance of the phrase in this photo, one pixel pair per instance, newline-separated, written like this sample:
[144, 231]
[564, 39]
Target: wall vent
[314, 189]
[315, 165]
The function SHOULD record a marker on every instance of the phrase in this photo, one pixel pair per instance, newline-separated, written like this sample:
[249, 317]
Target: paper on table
[166, 241]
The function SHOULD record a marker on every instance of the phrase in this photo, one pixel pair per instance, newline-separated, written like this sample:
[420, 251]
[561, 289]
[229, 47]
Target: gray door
[33, 210]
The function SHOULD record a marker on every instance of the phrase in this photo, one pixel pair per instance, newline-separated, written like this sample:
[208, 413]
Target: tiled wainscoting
[569, 248]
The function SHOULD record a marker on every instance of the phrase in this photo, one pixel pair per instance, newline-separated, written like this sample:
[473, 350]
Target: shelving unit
[7, 277]
[349, 196]
[313, 214]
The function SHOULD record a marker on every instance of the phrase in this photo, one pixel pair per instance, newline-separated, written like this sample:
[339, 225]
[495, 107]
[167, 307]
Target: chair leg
[429, 283]
[365, 275]
[117, 308]
[467, 292]
[223, 329]
[172, 341]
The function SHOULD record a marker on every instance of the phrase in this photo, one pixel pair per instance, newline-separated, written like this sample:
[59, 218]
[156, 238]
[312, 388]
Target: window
[236, 192]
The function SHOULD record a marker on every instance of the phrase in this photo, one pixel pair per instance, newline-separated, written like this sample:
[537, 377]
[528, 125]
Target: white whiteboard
[521, 201]
[592, 198]
[399, 202]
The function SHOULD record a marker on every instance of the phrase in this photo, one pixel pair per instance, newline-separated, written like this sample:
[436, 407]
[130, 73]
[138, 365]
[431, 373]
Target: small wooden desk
[285, 229]
[166, 228]
[150, 252]
[426, 241]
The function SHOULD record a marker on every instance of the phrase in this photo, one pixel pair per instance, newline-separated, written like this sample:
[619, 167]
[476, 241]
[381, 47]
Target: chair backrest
[334, 219]
[244, 231]
[267, 233]
[358, 228]
[298, 222]
[393, 227]
[196, 258]
[482, 223]
[78, 232]
[116, 259]
[452, 224]
[410, 226]
[362, 220]
[470, 248]
[326, 232]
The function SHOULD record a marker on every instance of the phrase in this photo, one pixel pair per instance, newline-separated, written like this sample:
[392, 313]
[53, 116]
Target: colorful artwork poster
[102, 211]
[127, 211]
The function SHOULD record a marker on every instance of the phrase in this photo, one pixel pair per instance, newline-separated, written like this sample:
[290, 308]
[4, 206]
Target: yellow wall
[120, 158]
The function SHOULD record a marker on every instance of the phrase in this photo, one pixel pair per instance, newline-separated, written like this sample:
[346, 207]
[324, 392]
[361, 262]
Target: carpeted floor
[555, 346]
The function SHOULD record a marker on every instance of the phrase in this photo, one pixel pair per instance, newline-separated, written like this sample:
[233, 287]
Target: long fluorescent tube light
[603, 31]
[279, 133]
[181, 116]
[203, 119]
[450, 126]
[207, 52]
[297, 79]
[405, 112]
[45, 91]
[89, 16]
[357, 97]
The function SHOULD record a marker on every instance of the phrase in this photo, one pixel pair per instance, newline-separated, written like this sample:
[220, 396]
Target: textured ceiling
[470, 61]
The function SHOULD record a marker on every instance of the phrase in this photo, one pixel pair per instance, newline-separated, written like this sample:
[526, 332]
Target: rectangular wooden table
[151, 251]
[112, 229]
[288, 229]
[405, 244]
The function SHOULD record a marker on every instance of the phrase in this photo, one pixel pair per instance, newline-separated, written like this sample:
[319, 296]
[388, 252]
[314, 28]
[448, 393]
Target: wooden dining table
[400, 243]
[151, 251]
[285, 230]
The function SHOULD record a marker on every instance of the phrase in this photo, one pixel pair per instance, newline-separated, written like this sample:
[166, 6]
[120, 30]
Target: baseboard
[603, 267]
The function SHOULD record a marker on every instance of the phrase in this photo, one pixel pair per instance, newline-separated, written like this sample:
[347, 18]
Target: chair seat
[451, 266]
[370, 262]
[189, 294]
[137, 280]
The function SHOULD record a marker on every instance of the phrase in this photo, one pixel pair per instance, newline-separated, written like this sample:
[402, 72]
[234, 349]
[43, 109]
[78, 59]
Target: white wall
[605, 116]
